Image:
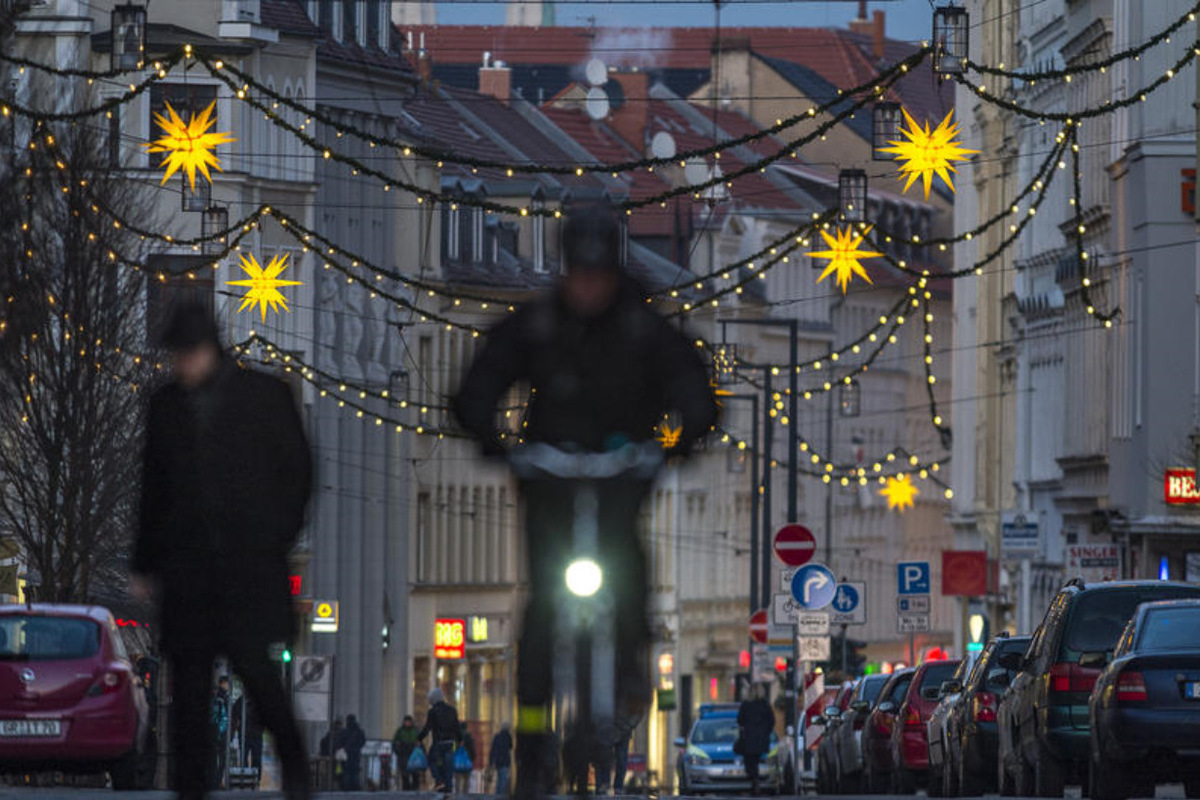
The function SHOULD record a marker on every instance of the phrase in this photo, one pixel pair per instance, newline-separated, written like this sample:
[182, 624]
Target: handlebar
[540, 460]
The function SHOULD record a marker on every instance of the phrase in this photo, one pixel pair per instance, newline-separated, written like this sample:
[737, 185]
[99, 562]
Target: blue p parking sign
[912, 577]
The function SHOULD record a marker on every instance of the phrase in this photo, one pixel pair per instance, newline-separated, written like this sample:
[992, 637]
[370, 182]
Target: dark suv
[1043, 721]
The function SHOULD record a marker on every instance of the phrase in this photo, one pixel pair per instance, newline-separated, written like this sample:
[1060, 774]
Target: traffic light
[856, 660]
[286, 656]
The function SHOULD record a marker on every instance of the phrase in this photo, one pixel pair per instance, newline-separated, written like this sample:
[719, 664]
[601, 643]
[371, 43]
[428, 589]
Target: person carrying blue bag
[404, 745]
[442, 723]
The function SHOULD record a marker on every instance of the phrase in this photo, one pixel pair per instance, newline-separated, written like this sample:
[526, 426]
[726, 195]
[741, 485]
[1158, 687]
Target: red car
[909, 741]
[69, 698]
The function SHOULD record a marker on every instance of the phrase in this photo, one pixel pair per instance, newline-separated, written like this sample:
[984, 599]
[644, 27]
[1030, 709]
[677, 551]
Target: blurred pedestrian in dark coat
[756, 721]
[226, 477]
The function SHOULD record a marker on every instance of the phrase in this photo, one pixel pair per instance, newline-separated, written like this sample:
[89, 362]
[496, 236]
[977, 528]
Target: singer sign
[1179, 487]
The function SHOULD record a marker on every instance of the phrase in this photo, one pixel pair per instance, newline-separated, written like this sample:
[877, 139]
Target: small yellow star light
[844, 256]
[188, 146]
[668, 437]
[899, 492]
[264, 284]
[927, 152]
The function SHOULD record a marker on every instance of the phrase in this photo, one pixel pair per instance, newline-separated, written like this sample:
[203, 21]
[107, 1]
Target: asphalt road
[1166, 792]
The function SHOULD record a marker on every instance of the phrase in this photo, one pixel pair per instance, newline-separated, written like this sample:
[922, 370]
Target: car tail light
[912, 718]
[1069, 677]
[107, 683]
[1131, 687]
[984, 707]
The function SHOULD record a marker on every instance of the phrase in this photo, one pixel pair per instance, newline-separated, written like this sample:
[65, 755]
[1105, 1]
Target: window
[325, 15]
[539, 236]
[114, 138]
[376, 25]
[424, 556]
[349, 21]
[452, 232]
[477, 235]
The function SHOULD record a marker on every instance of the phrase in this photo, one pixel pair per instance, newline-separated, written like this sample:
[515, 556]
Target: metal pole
[844, 627]
[829, 486]
[768, 441]
[755, 454]
[793, 423]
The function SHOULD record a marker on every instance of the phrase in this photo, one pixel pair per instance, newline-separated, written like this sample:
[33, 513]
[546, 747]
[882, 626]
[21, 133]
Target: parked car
[1043, 720]
[1145, 709]
[707, 763]
[70, 701]
[910, 749]
[937, 729]
[971, 726]
[877, 733]
[847, 736]
[827, 746]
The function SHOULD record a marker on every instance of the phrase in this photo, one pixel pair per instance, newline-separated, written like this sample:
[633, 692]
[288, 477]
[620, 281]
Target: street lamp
[852, 195]
[128, 31]
[950, 27]
[885, 128]
[198, 199]
[214, 220]
[850, 399]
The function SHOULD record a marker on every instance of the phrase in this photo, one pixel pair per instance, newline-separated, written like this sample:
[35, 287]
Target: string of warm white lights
[1081, 254]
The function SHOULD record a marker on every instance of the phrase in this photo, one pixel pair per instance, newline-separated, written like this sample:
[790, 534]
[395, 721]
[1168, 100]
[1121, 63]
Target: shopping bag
[462, 760]
[417, 761]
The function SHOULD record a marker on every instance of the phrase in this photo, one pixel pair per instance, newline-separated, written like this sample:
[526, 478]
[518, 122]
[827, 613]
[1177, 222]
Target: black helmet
[592, 237]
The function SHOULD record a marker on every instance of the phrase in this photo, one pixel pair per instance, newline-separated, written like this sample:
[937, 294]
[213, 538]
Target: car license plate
[30, 727]
[734, 772]
[1191, 690]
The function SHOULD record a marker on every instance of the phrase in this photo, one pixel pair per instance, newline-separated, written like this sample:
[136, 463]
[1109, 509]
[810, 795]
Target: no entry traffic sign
[759, 626]
[795, 545]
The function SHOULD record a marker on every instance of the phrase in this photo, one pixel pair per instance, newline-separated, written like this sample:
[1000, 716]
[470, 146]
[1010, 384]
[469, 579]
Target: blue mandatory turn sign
[912, 577]
[813, 586]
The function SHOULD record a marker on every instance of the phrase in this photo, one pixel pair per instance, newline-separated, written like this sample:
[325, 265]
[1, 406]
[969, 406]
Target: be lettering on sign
[1179, 487]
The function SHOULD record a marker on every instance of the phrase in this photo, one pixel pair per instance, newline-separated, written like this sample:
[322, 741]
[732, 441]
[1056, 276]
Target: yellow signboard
[325, 616]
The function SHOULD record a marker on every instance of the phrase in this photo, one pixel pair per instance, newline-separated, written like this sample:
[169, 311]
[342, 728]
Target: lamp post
[852, 195]
[214, 220]
[128, 32]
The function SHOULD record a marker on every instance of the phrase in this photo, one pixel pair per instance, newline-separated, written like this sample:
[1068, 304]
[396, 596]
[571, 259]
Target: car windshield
[1099, 617]
[715, 731]
[937, 673]
[871, 688]
[1170, 629]
[42, 638]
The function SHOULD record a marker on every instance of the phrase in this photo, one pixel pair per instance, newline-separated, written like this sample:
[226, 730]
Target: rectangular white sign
[784, 609]
[912, 623]
[812, 623]
[814, 648]
[916, 604]
[849, 606]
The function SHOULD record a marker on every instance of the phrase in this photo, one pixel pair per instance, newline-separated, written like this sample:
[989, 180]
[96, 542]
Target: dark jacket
[595, 380]
[442, 722]
[352, 741]
[227, 473]
[501, 754]
[757, 721]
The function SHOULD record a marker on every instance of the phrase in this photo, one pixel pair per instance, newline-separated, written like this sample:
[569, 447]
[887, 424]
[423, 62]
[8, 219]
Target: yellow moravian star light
[668, 437]
[264, 284]
[188, 146]
[844, 255]
[928, 152]
[899, 492]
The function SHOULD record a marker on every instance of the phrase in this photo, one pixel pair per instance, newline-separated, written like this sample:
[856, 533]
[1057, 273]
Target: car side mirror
[681, 742]
[860, 706]
[833, 712]
[1093, 660]
[951, 687]
[1013, 662]
[887, 707]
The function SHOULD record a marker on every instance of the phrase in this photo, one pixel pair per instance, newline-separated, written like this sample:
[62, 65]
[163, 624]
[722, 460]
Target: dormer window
[476, 235]
[539, 235]
[349, 21]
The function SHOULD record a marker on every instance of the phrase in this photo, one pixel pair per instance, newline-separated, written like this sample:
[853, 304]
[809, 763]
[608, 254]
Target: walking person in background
[441, 723]
[463, 767]
[625, 728]
[756, 721]
[353, 742]
[404, 742]
[226, 478]
[500, 758]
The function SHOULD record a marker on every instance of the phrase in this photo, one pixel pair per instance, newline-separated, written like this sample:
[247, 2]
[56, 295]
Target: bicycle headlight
[584, 577]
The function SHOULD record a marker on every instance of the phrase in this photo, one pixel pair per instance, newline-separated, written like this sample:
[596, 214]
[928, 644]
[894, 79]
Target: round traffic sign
[758, 626]
[813, 586]
[795, 545]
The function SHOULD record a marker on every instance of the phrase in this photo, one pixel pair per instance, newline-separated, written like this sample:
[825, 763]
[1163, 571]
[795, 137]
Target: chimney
[632, 118]
[496, 81]
[424, 63]
[879, 34]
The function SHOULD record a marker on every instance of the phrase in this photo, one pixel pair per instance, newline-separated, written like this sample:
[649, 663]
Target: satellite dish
[695, 171]
[597, 103]
[596, 72]
[663, 145]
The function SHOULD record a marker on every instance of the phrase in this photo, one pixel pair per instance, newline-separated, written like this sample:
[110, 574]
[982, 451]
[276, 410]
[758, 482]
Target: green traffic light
[287, 656]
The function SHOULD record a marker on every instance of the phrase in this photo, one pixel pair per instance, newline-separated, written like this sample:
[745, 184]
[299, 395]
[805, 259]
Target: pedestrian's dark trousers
[752, 761]
[441, 764]
[549, 516]
[192, 734]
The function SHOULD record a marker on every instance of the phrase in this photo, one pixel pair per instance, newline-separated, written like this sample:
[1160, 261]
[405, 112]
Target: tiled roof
[819, 91]
[682, 55]
[287, 16]
[355, 54]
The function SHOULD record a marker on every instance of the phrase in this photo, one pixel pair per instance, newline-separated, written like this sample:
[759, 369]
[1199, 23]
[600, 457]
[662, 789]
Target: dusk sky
[906, 19]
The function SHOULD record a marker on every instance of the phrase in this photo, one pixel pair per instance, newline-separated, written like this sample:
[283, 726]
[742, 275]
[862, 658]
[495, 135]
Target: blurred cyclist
[602, 369]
